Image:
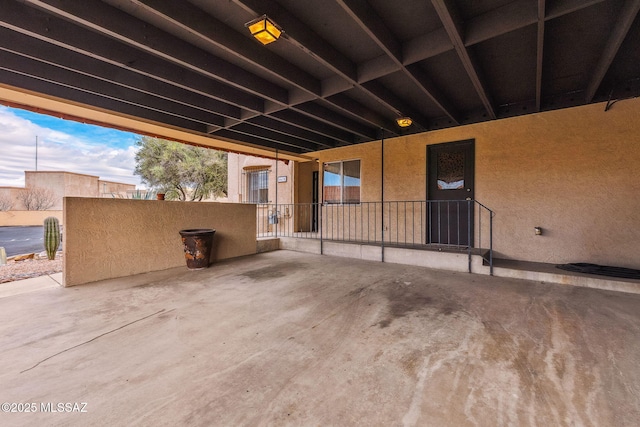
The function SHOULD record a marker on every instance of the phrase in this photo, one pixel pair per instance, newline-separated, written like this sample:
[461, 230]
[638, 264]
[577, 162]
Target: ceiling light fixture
[264, 29]
[404, 122]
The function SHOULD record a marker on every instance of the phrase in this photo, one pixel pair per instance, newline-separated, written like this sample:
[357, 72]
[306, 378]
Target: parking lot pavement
[21, 240]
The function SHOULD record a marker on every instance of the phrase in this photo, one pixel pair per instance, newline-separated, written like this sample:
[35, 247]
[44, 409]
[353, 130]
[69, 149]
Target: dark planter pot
[197, 247]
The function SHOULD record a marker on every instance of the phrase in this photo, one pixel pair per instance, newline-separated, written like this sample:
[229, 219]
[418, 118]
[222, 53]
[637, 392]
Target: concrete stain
[411, 363]
[357, 292]
[403, 305]
[501, 346]
[404, 301]
[553, 364]
[384, 323]
[151, 285]
[449, 308]
[273, 271]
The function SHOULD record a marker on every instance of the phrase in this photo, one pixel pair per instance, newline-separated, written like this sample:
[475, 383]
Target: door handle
[468, 198]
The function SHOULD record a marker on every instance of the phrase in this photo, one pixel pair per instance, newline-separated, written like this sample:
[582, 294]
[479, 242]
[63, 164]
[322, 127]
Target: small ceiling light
[404, 122]
[264, 29]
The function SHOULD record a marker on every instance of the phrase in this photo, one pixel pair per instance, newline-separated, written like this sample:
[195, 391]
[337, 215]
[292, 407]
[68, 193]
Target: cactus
[51, 236]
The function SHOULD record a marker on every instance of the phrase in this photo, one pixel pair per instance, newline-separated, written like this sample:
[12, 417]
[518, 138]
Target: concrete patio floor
[286, 338]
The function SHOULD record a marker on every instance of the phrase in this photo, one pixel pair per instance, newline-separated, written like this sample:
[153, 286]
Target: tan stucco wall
[303, 177]
[27, 218]
[107, 238]
[238, 163]
[574, 172]
[301, 217]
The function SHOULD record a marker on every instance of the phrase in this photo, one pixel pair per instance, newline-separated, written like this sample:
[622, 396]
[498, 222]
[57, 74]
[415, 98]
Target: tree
[181, 171]
[37, 199]
[5, 203]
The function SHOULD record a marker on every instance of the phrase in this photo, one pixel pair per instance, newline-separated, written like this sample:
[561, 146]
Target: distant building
[65, 184]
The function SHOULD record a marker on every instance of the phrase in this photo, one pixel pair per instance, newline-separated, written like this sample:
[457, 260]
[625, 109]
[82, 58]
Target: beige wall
[107, 238]
[573, 172]
[27, 218]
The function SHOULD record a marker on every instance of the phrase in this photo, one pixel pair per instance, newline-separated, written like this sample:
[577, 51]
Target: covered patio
[537, 98]
[526, 108]
[286, 338]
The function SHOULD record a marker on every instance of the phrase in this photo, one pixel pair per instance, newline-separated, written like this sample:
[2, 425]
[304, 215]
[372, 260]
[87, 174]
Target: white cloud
[58, 151]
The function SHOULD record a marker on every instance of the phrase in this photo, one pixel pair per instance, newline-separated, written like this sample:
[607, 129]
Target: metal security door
[450, 193]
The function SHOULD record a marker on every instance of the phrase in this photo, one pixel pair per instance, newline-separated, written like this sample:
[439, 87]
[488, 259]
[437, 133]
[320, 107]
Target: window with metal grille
[341, 182]
[258, 186]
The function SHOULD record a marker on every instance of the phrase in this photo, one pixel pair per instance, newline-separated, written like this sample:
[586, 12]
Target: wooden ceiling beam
[103, 88]
[374, 27]
[129, 30]
[451, 25]
[269, 134]
[332, 118]
[68, 92]
[253, 140]
[492, 24]
[311, 124]
[618, 33]
[287, 129]
[540, 52]
[211, 30]
[40, 25]
[75, 62]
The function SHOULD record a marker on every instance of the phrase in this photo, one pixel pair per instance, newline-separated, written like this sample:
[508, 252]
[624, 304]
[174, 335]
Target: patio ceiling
[343, 71]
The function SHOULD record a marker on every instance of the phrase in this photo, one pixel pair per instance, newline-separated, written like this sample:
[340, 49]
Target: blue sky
[63, 145]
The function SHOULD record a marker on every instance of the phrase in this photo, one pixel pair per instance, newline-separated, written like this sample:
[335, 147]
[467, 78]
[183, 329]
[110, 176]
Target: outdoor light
[264, 29]
[404, 122]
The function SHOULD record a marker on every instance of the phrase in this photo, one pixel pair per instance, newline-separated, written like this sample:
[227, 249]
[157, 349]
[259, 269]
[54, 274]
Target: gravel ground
[27, 269]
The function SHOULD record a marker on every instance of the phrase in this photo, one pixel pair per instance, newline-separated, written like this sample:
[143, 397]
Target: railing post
[490, 242]
[382, 188]
[469, 207]
[382, 229]
[344, 231]
[320, 227]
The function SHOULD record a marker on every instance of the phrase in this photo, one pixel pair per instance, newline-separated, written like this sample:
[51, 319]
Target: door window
[450, 170]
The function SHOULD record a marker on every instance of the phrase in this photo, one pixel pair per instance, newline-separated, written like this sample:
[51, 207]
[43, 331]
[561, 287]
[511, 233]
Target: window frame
[342, 186]
[249, 173]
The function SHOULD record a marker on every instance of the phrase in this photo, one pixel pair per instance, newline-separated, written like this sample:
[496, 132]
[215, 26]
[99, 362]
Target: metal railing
[457, 225]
